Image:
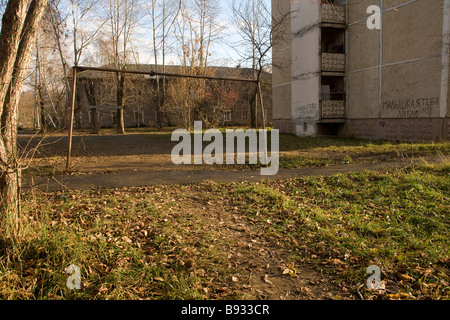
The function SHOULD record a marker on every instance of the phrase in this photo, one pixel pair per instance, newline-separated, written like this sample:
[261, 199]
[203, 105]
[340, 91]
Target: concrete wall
[397, 78]
[397, 73]
[306, 69]
[281, 72]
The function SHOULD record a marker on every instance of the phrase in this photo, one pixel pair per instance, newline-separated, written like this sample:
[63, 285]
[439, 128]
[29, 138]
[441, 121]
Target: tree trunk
[10, 205]
[253, 108]
[121, 104]
[158, 104]
[95, 121]
[42, 112]
[19, 32]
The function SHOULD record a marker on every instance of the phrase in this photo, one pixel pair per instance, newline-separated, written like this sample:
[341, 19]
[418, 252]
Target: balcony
[333, 109]
[333, 13]
[333, 62]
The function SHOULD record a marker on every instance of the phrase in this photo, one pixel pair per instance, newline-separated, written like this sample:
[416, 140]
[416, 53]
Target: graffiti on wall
[411, 108]
[308, 111]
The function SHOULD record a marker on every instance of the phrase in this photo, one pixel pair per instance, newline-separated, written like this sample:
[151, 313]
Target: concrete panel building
[376, 69]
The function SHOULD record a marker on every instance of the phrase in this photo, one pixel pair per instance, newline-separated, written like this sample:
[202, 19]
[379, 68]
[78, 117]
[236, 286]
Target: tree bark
[42, 112]
[121, 104]
[12, 24]
[20, 31]
[253, 108]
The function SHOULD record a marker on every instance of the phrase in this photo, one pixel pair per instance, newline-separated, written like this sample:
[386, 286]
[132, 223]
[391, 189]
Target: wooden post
[263, 120]
[72, 111]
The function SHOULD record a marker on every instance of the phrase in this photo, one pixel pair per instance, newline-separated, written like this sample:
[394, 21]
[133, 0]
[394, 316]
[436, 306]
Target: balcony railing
[334, 62]
[333, 109]
[333, 13]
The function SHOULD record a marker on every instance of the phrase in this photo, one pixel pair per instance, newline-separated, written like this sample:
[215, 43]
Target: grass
[153, 243]
[129, 245]
[158, 243]
[396, 220]
[325, 151]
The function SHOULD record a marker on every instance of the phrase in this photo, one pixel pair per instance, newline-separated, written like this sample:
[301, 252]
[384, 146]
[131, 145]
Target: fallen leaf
[405, 277]
[337, 261]
[266, 280]
[126, 239]
[399, 295]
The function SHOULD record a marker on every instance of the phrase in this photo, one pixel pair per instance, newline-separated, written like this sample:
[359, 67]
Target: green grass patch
[306, 152]
[345, 223]
[158, 243]
[138, 244]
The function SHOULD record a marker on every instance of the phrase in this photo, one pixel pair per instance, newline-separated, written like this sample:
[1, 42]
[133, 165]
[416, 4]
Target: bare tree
[50, 82]
[122, 17]
[18, 34]
[85, 26]
[258, 31]
[163, 15]
[58, 24]
[196, 29]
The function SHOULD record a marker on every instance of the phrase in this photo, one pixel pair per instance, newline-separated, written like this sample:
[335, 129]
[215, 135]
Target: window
[92, 113]
[244, 116]
[227, 116]
[139, 117]
[114, 117]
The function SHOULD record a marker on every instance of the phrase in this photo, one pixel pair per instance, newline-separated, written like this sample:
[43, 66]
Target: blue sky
[223, 50]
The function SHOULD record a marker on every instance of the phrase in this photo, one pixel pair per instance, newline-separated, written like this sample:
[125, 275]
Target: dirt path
[265, 270]
[144, 177]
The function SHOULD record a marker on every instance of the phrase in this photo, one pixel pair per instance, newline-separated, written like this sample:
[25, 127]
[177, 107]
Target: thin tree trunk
[121, 104]
[253, 108]
[56, 29]
[42, 112]
[26, 28]
[12, 24]
[155, 53]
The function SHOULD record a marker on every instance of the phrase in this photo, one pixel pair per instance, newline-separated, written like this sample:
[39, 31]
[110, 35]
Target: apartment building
[96, 95]
[376, 69]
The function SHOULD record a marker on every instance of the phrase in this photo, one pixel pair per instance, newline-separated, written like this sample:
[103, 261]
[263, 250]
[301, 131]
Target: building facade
[230, 106]
[376, 69]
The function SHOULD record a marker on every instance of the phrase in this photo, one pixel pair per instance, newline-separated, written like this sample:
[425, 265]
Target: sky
[223, 51]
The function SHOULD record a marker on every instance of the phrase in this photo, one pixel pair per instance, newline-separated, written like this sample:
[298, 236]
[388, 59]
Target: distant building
[345, 76]
[27, 116]
[96, 89]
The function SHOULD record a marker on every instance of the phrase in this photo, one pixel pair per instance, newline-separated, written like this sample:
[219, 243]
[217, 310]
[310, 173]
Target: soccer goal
[99, 111]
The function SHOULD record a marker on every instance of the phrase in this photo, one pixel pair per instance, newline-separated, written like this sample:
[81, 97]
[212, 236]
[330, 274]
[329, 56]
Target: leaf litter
[205, 241]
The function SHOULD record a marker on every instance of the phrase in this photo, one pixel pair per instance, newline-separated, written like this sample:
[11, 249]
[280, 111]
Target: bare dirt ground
[262, 269]
[145, 159]
[265, 270]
